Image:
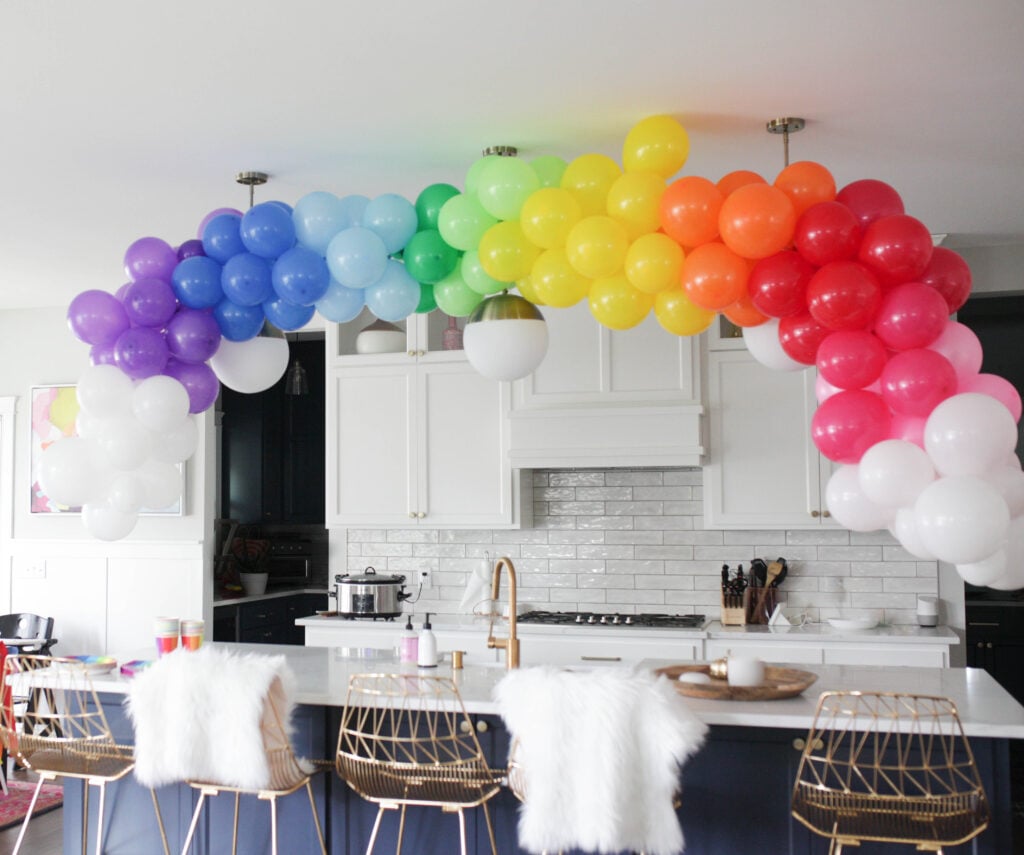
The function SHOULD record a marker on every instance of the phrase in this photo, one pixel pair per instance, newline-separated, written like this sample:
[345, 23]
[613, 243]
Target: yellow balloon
[617, 304]
[677, 314]
[596, 246]
[635, 201]
[548, 214]
[555, 280]
[656, 144]
[589, 178]
[653, 263]
[527, 291]
[505, 253]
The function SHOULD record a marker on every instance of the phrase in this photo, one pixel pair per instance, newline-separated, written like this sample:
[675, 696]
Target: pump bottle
[408, 643]
[426, 656]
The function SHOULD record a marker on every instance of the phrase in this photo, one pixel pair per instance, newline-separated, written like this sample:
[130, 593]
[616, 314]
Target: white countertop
[987, 710]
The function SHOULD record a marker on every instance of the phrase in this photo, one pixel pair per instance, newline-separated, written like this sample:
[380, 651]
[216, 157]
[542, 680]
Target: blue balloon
[286, 315]
[238, 323]
[318, 217]
[357, 257]
[393, 218]
[222, 238]
[267, 230]
[352, 208]
[284, 206]
[395, 295]
[340, 304]
[246, 279]
[196, 282]
[301, 276]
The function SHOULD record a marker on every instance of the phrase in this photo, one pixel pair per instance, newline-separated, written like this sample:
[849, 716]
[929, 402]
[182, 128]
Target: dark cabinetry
[267, 621]
[995, 642]
[272, 448]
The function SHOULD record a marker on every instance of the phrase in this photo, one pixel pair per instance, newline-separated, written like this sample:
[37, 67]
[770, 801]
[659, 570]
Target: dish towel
[600, 753]
[198, 715]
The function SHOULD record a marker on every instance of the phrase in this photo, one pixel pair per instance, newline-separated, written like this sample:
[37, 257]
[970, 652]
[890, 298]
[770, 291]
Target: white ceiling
[120, 119]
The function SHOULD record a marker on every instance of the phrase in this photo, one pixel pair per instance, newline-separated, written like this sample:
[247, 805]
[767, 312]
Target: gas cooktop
[662, 621]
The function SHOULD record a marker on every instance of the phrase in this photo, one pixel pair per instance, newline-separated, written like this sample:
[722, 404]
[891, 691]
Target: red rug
[14, 805]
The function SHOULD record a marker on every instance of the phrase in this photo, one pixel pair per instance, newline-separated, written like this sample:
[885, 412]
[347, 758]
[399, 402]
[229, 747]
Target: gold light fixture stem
[784, 126]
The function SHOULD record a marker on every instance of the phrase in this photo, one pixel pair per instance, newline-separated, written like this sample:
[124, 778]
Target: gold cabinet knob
[421, 515]
[815, 514]
[465, 726]
[826, 513]
[412, 515]
[799, 744]
[482, 726]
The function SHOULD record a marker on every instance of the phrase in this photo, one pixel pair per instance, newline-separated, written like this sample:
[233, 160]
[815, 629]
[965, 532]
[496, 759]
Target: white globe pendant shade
[505, 338]
[251, 366]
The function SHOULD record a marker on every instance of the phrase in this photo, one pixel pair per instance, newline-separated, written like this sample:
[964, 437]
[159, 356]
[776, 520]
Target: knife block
[734, 608]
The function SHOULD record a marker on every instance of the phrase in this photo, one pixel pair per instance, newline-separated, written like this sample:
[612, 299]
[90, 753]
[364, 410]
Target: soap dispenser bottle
[426, 655]
[408, 643]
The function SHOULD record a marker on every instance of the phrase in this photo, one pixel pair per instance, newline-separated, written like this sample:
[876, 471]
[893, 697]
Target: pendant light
[297, 381]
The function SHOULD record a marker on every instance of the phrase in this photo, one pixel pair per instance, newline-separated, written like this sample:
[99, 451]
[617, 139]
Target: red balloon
[827, 232]
[800, 336]
[870, 200]
[851, 359]
[914, 382]
[849, 423]
[948, 274]
[777, 284]
[896, 249]
[844, 295]
[998, 387]
[911, 315]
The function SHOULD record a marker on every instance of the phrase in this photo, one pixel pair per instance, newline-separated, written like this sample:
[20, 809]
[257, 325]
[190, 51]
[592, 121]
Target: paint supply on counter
[408, 643]
[426, 654]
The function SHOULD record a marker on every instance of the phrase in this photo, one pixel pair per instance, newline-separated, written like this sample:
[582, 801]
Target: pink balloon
[849, 423]
[961, 347]
[911, 315]
[999, 388]
[914, 382]
[823, 390]
[851, 359]
[910, 428]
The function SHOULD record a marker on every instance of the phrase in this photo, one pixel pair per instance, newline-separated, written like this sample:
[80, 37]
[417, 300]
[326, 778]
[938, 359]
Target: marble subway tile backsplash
[633, 541]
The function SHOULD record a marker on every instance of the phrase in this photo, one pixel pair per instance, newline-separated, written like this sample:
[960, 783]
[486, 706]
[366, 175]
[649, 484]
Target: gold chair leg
[462, 831]
[376, 828]
[85, 816]
[490, 829]
[192, 825]
[160, 822]
[28, 816]
[316, 818]
[401, 830]
[234, 828]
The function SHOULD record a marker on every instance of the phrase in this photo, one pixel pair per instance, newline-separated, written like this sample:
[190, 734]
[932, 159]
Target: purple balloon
[193, 335]
[199, 381]
[97, 317]
[140, 352]
[101, 354]
[190, 248]
[216, 212]
[150, 258]
[149, 302]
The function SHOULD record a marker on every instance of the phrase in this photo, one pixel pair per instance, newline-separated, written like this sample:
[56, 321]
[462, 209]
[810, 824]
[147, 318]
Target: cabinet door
[763, 470]
[370, 428]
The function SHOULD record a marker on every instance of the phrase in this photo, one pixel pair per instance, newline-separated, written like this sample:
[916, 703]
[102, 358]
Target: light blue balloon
[395, 295]
[318, 217]
[352, 208]
[286, 315]
[356, 257]
[340, 304]
[393, 218]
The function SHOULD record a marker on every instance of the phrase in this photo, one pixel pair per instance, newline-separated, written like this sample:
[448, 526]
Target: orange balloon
[743, 313]
[737, 179]
[689, 210]
[714, 276]
[757, 220]
[806, 183]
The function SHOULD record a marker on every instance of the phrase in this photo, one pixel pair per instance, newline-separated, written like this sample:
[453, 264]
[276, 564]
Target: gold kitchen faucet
[510, 644]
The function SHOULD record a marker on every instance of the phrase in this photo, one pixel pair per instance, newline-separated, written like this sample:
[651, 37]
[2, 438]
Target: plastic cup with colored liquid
[166, 631]
[192, 634]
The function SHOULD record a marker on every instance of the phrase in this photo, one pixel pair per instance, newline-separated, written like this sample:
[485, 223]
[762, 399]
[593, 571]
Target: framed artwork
[54, 416]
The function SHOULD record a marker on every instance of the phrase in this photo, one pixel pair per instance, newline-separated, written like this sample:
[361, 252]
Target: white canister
[381, 337]
[745, 671]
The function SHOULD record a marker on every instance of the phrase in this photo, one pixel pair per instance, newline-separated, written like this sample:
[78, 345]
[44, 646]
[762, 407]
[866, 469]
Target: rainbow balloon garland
[844, 280]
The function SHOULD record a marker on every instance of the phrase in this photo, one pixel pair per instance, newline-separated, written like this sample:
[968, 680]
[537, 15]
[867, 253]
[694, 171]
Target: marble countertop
[322, 674]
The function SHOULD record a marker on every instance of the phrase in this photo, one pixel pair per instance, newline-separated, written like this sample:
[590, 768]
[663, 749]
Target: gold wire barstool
[287, 776]
[62, 732]
[889, 767]
[408, 740]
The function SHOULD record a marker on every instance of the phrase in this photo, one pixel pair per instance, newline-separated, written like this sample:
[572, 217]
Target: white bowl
[854, 623]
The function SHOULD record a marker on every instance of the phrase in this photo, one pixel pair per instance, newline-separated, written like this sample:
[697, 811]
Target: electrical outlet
[33, 570]
[424, 577]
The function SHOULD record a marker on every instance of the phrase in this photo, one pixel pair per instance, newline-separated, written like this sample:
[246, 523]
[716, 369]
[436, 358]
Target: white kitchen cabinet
[763, 469]
[610, 650]
[606, 397]
[808, 652]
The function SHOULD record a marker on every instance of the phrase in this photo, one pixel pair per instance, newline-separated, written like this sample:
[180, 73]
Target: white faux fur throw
[197, 716]
[600, 752]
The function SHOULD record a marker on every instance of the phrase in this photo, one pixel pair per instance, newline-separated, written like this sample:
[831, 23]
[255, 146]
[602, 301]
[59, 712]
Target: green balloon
[454, 297]
[428, 258]
[474, 275]
[473, 173]
[429, 202]
[549, 169]
[504, 184]
[463, 221]
[427, 302]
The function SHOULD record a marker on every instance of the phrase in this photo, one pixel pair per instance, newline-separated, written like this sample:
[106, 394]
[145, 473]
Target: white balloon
[70, 471]
[962, 519]
[968, 434]
[1009, 481]
[123, 442]
[86, 424]
[178, 445]
[250, 366]
[850, 507]
[894, 472]
[126, 494]
[904, 529]
[161, 483]
[1012, 578]
[763, 343]
[160, 403]
[105, 523]
[984, 572]
[104, 391]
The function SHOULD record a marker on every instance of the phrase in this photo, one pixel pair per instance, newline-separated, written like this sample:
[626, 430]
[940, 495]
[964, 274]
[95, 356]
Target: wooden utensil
[774, 569]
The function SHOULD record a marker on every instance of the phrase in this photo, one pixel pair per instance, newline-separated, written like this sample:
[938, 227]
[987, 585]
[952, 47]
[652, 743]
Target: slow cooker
[370, 594]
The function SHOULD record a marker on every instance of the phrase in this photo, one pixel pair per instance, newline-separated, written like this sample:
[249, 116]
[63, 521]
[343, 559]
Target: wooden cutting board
[778, 683]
